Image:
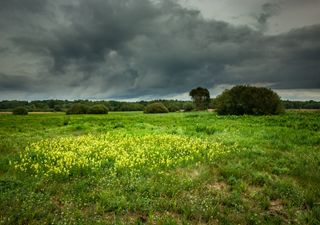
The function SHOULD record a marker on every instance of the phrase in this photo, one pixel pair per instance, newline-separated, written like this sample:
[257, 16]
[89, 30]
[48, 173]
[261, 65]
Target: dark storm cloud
[14, 13]
[14, 6]
[134, 48]
[15, 82]
[96, 28]
[268, 10]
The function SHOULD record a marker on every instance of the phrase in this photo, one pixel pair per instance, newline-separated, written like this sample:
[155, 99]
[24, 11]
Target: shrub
[98, 109]
[156, 108]
[20, 111]
[173, 108]
[249, 100]
[188, 107]
[77, 109]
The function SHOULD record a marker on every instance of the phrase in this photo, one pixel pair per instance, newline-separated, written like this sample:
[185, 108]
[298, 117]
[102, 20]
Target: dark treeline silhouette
[65, 105]
[301, 104]
[172, 105]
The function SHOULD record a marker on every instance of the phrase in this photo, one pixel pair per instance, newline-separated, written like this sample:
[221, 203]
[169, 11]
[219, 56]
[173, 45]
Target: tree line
[172, 105]
[200, 101]
[53, 105]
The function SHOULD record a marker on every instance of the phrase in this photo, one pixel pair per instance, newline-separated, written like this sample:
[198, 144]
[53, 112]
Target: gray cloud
[268, 10]
[15, 82]
[135, 48]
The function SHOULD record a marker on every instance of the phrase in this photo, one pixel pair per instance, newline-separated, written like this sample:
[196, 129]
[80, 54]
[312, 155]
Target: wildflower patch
[116, 152]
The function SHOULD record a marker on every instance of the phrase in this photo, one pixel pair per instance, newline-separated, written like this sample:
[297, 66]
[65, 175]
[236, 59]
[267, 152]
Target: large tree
[243, 99]
[200, 97]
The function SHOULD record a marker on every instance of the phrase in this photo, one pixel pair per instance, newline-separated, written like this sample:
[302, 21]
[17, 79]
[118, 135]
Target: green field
[176, 168]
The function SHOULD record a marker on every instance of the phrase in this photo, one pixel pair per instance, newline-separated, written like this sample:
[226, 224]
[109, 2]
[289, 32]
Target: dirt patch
[219, 186]
[303, 110]
[56, 201]
[192, 173]
[41, 112]
[252, 190]
[277, 208]
[8, 113]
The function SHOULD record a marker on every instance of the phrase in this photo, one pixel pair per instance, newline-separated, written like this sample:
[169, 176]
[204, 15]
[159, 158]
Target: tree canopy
[243, 99]
[200, 97]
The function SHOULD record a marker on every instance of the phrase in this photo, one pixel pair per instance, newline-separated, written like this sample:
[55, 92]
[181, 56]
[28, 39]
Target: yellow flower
[118, 151]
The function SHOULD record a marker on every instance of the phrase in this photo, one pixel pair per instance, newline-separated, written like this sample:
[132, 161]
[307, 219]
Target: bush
[98, 109]
[249, 100]
[188, 107]
[156, 108]
[77, 109]
[20, 111]
[173, 108]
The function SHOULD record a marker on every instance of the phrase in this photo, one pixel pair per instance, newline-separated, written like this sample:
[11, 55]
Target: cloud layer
[135, 48]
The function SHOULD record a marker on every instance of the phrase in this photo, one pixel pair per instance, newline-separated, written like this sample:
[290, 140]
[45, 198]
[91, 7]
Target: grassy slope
[273, 179]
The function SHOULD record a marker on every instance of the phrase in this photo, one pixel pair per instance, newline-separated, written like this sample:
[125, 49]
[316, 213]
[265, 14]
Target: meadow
[175, 168]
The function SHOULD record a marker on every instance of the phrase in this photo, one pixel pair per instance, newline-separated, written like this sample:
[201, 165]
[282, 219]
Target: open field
[176, 168]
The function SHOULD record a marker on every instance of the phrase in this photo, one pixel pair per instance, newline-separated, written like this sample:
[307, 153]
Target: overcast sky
[147, 49]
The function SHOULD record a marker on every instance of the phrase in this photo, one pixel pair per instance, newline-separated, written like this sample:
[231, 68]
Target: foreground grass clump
[115, 152]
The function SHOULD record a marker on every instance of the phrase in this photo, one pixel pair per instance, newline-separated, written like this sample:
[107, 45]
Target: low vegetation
[77, 109]
[174, 168]
[156, 107]
[20, 111]
[116, 152]
[98, 109]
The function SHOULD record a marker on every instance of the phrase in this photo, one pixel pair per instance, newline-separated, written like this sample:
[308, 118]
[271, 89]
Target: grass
[135, 168]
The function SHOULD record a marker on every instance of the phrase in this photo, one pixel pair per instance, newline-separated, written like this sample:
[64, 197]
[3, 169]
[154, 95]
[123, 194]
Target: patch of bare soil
[219, 186]
[276, 206]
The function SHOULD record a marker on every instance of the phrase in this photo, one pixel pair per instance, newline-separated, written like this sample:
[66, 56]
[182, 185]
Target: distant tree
[57, 108]
[131, 106]
[7, 105]
[156, 107]
[77, 108]
[98, 109]
[114, 105]
[200, 97]
[301, 104]
[249, 100]
[20, 111]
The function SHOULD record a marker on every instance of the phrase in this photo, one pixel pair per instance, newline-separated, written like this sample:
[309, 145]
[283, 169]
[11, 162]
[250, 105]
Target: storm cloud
[116, 49]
